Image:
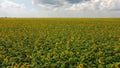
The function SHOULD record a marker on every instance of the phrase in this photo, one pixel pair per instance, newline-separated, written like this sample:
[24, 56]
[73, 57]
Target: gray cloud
[48, 3]
[76, 1]
[56, 3]
[79, 4]
[65, 8]
[73, 1]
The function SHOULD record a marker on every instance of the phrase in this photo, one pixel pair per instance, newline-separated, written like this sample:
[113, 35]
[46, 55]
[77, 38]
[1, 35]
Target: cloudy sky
[60, 8]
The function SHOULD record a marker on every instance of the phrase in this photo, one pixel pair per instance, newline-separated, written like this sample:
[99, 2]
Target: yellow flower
[99, 53]
[10, 49]
[83, 58]
[116, 48]
[30, 56]
[80, 66]
[48, 55]
[46, 65]
[12, 59]
[77, 53]
[27, 50]
[55, 56]
[15, 65]
[62, 54]
[2, 56]
[5, 60]
[22, 66]
[109, 58]
[43, 57]
[117, 65]
[100, 61]
[119, 38]
[70, 59]
[71, 53]
[25, 65]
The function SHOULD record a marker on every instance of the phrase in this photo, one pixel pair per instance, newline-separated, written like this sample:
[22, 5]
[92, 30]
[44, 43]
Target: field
[59, 43]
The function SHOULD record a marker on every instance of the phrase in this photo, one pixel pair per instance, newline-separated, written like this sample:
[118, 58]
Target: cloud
[10, 4]
[110, 4]
[56, 3]
[74, 1]
[21, 12]
[47, 3]
[79, 4]
[97, 5]
[63, 8]
[8, 8]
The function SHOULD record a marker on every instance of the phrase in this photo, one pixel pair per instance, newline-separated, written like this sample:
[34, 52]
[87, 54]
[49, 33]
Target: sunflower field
[59, 43]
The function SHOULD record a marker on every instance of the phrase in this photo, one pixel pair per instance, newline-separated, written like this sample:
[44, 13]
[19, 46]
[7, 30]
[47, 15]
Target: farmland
[59, 43]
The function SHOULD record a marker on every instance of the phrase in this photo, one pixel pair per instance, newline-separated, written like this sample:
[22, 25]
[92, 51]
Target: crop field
[59, 43]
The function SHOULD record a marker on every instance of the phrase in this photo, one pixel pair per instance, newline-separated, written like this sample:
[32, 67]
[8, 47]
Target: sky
[60, 8]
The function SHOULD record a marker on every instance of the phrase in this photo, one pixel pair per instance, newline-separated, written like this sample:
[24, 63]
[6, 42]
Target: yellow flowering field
[59, 43]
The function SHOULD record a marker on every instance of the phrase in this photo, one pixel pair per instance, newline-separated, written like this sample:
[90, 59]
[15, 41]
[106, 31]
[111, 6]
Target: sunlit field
[59, 43]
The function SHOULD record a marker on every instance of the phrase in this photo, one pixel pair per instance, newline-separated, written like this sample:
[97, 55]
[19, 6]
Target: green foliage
[59, 43]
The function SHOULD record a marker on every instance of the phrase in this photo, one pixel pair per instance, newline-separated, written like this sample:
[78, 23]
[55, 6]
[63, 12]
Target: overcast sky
[60, 8]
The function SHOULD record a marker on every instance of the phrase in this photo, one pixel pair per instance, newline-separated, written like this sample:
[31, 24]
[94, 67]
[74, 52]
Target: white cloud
[12, 9]
[10, 4]
[110, 4]
[63, 8]
[97, 5]
[79, 4]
